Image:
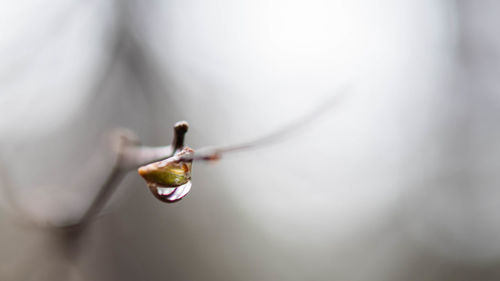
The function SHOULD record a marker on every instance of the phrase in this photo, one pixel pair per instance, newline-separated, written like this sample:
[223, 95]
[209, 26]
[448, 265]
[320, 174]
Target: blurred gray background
[397, 182]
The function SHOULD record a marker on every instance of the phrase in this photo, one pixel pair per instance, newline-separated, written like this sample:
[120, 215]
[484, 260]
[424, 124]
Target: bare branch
[130, 156]
[215, 153]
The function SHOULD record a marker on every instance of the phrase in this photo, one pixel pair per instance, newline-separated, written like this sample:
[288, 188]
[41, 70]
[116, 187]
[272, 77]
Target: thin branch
[215, 153]
[130, 156]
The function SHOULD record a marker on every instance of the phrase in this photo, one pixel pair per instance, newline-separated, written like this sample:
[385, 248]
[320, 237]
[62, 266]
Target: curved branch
[130, 155]
[215, 153]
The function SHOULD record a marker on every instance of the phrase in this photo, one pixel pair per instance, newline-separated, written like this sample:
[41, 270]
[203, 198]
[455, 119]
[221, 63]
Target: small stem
[136, 155]
[130, 156]
[180, 130]
[105, 192]
[216, 152]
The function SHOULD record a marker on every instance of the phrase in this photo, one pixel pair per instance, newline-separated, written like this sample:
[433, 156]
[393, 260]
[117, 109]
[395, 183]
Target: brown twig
[215, 153]
[130, 155]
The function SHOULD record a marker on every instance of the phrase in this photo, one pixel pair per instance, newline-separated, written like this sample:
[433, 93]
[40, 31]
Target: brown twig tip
[181, 127]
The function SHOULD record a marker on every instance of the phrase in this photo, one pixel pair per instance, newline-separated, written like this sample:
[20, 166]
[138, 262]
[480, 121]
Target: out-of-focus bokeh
[398, 181]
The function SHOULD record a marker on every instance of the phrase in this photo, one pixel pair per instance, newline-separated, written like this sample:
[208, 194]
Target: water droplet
[170, 194]
[169, 180]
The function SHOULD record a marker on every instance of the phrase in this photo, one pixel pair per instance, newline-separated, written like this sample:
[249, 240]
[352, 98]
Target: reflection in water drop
[180, 192]
[165, 191]
[170, 194]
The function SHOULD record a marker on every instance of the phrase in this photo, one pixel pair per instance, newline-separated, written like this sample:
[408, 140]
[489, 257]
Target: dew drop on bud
[169, 180]
[170, 194]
